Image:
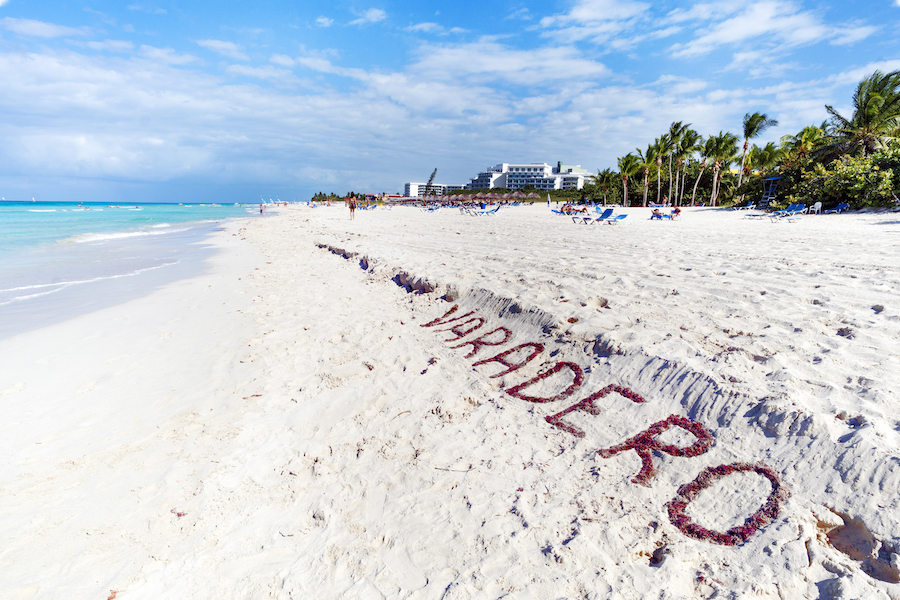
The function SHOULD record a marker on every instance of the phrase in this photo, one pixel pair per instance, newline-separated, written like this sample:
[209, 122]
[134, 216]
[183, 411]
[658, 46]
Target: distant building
[417, 190]
[512, 176]
[540, 176]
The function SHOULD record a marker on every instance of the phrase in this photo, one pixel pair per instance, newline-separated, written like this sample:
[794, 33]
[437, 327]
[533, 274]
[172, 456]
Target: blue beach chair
[602, 216]
[791, 213]
[838, 209]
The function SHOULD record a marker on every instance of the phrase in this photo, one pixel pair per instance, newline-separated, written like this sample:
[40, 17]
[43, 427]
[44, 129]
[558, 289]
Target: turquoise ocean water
[58, 260]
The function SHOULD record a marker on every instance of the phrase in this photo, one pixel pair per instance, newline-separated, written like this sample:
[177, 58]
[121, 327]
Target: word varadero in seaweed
[644, 443]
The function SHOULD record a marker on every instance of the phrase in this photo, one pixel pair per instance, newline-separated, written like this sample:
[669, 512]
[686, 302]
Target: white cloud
[491, 61]
[680, 86]
[266, 72]
[523, 14]
[281, 59]
[151, 10]
[373, 15]
[229, 49]
[703, 12]
[434, 28]
[853, 34]
[594, 13]
[166, 55]
[775, 22]
[596, 20]
[2, 2]
[110, 45]
[856, 74]
[324, 22]
[102, 16]
[761, 63]
[323, 65]
[425, 27]
[38, 28]
[635, 40]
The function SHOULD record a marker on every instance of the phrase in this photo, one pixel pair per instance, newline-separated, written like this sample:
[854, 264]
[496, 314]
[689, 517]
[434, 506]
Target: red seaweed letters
[587, 405]
[536, 349]
[644, 444]
[481, 341]
[736, 535]
[516, 391]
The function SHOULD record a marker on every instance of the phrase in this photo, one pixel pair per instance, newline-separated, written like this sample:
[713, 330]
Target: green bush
[859, 181]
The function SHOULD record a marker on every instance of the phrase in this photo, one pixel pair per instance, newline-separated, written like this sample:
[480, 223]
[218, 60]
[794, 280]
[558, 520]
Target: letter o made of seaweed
[736, 535]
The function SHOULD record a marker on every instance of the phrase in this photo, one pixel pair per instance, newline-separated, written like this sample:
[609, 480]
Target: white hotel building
[513, 176]
[541, 176]
[417, 190]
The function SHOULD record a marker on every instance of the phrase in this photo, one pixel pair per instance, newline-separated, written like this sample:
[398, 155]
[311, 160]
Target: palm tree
[676, 130]
[801, 145]
[663, 146]
[724, 147]
[754, 125]
[688, 144]
[694, 192]
[628, 166]
[765, 159]
[706, 151]
[876, 114]
[605, 178]
[648, 161]
[693, 144]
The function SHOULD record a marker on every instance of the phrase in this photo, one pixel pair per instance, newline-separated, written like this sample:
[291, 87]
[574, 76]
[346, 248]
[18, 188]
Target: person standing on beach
[352, 208]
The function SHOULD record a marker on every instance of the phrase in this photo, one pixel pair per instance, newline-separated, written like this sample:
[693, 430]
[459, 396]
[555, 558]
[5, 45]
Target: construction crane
[430, 181]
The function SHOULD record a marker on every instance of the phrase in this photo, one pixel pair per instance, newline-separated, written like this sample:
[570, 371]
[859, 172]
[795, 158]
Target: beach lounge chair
[782, 211]
[615, 219]
[791, 210]
[587, 220]
[838, 209]
[791, 213]
[750, 204]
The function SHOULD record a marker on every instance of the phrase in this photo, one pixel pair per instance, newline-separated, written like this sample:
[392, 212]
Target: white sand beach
[285, 427]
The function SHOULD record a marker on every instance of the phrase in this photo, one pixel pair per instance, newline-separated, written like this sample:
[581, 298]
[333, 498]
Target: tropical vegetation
[853, 158]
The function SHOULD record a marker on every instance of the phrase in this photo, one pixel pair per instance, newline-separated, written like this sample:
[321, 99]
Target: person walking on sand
[352, 208]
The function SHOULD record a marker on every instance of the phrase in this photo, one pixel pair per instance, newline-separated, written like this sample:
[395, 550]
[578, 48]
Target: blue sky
[230, 101]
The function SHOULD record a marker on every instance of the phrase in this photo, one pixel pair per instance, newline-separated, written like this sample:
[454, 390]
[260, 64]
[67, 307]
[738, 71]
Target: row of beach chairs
[474, 212]
[605, 216]
[793, 212]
